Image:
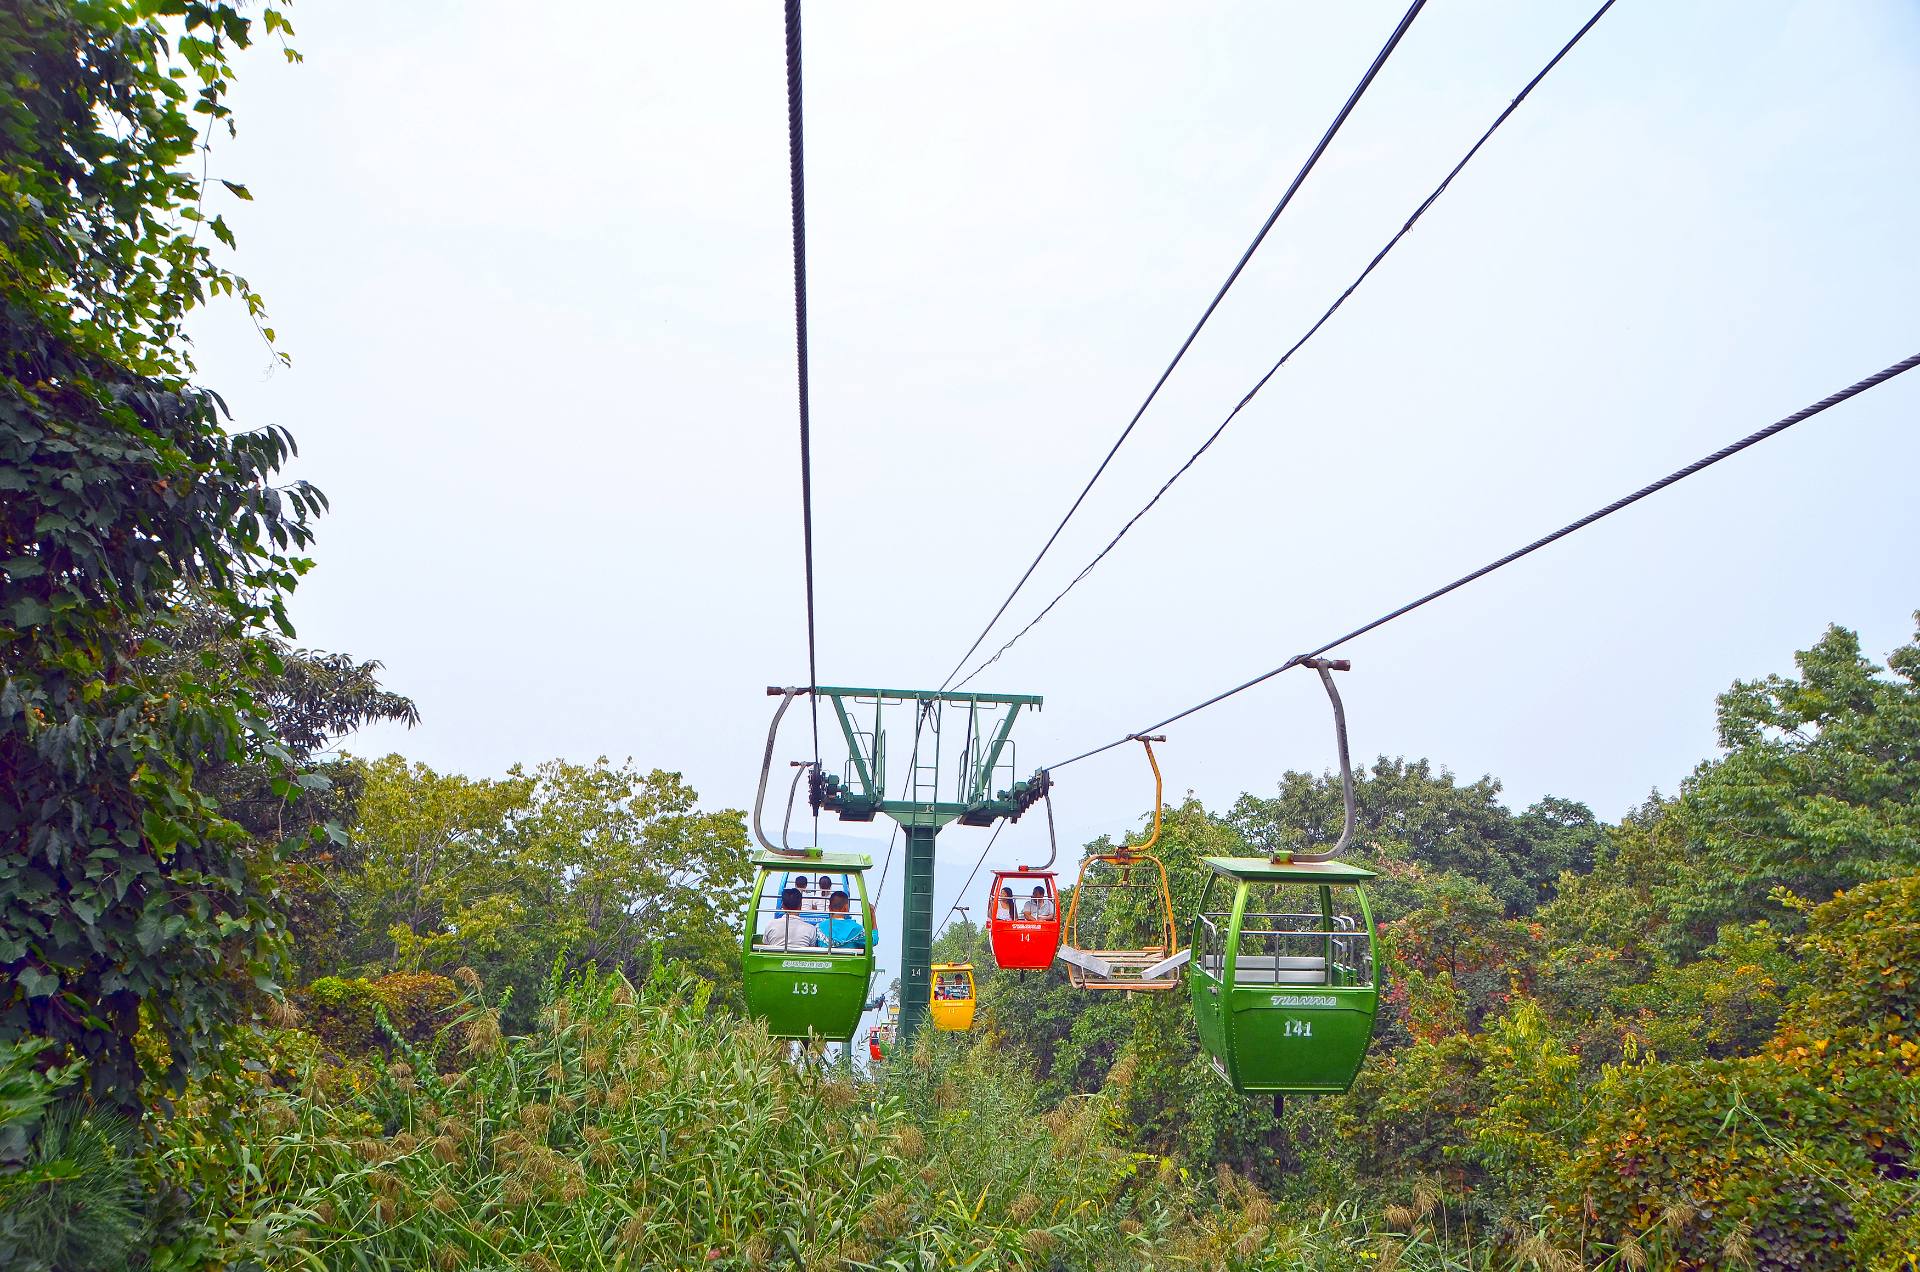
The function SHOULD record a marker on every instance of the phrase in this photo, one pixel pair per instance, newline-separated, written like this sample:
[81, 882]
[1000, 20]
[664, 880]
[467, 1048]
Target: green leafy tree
[582, 863]
[1819, 789]
[623, 861]
[292, 799]
[1816, 792]
[435, 859]
[1407, 810]
[1454, 927]
[124, 895]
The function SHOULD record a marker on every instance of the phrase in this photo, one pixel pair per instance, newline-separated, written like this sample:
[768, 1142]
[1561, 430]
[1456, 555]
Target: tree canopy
[126, 896]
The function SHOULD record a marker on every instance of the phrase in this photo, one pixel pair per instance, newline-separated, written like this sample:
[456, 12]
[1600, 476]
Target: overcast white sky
[532, 264]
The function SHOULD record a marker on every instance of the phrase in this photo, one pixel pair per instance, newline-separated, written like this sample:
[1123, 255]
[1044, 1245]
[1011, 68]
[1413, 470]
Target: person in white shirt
[811, 902]
[788, 930]
[1041, 907]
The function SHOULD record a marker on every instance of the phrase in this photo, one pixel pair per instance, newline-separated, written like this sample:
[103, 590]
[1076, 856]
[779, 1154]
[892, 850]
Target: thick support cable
[797, 168]
[1299, 179]
[1707, 461]
[962, 895]
[1286, 357]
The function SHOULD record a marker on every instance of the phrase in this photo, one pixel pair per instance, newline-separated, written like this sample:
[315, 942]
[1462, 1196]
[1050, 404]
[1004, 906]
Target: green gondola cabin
[807, 971]
[1283, 975]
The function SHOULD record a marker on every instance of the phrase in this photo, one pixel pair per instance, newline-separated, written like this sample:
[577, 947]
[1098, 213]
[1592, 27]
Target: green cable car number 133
[797, 983]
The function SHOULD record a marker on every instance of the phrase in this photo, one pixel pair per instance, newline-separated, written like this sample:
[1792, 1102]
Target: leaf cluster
[124, 895]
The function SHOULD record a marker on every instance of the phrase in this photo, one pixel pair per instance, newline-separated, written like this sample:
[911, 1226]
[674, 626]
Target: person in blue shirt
[839, 930]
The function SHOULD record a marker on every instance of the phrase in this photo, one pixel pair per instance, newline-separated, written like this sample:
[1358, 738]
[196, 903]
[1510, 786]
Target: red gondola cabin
[1023, 919]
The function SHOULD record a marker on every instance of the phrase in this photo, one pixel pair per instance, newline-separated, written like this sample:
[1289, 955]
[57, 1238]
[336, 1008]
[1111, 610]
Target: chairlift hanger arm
[1326, 667]
[786, 697]
[1053, 841]
[1159, 787]
[800, 769]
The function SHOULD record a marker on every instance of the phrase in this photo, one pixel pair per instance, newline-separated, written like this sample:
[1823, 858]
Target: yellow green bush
[1802, 1156]
[344, 1013]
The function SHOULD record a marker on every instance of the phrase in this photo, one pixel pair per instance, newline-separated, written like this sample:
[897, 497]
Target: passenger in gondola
[1040, 907]
[788, 930]
[840, 931]
[1006, 907]
[812, 901]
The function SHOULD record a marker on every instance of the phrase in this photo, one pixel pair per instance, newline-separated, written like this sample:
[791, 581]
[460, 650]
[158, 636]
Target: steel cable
[1326, 139]
[1352, 287]
[797, 168]
[1707, 461]
[962, 894]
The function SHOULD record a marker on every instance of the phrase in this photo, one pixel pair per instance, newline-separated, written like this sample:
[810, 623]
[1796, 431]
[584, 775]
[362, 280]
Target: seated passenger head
[802, 883]
[837, 903]
[1039, 891]
[790, 899]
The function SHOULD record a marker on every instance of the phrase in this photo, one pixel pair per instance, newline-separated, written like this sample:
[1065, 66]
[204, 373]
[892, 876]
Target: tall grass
[636, 1128]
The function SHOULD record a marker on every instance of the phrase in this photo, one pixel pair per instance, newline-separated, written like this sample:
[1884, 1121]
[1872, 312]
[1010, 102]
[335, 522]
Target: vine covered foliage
[125, 897]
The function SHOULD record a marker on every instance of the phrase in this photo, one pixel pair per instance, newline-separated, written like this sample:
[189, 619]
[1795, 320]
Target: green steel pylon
[859, 794]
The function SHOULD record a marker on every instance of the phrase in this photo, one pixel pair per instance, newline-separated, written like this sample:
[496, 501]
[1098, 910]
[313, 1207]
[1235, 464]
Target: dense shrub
[344, 1013]
[1800, 1157]
[1862, 1002]
[1723, 1162]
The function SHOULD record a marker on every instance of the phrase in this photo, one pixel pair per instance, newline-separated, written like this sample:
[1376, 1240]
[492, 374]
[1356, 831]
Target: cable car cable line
[1352, 287]
[962, 894]
[797, 169]
[1707, 461]
[1299, 179]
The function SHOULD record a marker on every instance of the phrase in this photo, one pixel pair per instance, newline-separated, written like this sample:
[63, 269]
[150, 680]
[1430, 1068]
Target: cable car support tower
[927, 804]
